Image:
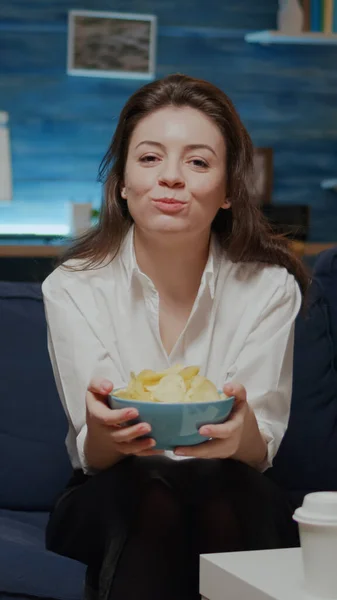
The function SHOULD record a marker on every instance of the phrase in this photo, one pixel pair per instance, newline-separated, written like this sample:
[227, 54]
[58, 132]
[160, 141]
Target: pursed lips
[169, 200]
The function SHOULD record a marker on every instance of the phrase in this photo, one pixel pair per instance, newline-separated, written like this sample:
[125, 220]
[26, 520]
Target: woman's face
[175, 174]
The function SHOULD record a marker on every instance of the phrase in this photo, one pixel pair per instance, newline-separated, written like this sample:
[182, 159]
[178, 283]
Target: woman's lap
[105, 505]
[153, 516]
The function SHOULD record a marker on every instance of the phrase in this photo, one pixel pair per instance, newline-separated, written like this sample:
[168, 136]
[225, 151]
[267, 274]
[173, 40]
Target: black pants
[141, 525]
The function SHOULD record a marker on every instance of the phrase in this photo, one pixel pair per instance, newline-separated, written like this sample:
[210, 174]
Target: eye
[149, 158]
[198, 162]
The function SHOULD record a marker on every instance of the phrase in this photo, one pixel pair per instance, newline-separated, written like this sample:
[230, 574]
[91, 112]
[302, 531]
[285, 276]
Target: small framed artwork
[262, 184]
[111, 44]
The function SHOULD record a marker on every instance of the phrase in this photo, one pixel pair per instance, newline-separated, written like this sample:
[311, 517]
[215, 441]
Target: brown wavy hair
[242, 230]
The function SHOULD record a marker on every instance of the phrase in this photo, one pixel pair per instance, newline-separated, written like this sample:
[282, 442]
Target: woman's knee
[160, 511]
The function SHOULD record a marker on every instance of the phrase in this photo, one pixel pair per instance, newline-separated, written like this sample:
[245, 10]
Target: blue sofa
[307, 458]
[34, 466]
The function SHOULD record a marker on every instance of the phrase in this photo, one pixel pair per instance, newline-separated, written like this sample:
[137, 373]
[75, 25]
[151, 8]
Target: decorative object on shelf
[316, 15]
[328, 15]
[306, 15]
[261, 185]
[290, 17]
[311, 22]
[329, 184]
[109, 44]
[6, 190]
[321, 15]
[80, 217]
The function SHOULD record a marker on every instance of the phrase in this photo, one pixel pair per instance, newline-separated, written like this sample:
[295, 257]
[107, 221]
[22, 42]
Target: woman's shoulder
[75, 272]
[264, 276]
[278, 276]
[266, 287]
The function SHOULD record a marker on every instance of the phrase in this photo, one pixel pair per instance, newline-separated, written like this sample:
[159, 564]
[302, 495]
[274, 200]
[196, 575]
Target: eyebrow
[188, 147]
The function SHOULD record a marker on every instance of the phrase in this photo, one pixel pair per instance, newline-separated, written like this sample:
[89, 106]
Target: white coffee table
[258, 575]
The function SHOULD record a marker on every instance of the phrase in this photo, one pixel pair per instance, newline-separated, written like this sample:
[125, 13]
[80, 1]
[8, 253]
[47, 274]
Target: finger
[237, 390]
[211, 449]
[101, 386]
[226, 429]
[136, 447]
[98, 390]
[151, 453]
[107, 416]
[127, 434]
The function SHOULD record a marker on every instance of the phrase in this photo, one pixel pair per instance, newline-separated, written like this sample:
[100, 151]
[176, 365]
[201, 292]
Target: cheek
[210, 191]
[138, 180]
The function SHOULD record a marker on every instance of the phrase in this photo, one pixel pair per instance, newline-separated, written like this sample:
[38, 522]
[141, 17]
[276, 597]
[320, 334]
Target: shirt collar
[128, 257]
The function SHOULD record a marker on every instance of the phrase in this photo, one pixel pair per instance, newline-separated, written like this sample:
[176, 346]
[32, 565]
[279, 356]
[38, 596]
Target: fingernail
[106, 386]
[145, 428]
[205, 431]
[132, 413]
[229, 388]
[179, 452]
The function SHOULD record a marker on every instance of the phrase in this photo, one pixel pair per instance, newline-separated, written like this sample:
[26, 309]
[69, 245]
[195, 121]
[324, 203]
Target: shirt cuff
[271, 450]
[80, 450]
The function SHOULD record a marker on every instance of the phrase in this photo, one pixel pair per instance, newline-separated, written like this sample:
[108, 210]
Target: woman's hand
[239, 437]
[109, 436]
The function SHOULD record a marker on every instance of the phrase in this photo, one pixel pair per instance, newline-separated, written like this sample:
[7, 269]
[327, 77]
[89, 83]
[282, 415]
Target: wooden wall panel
[61, 125]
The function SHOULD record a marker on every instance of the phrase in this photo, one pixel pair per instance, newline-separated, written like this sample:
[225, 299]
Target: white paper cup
[317, 520]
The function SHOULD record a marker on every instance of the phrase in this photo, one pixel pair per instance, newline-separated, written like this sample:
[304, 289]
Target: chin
[168, 224]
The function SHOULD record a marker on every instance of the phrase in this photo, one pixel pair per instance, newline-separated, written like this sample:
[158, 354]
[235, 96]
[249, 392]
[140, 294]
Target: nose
[171, 175]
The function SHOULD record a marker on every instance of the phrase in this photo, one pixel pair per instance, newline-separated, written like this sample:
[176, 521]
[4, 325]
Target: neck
[175, 264]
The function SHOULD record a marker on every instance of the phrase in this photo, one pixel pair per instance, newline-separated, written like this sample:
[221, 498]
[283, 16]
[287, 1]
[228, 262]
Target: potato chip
[135, 390]
[204, 391]
[171, 388]
[173, 385]
[188, 373]
[148, 377]
[197, 380]
[123, 394]
[172, 370]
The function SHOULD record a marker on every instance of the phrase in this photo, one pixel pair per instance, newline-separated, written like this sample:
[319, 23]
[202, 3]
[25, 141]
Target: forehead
[184, 125]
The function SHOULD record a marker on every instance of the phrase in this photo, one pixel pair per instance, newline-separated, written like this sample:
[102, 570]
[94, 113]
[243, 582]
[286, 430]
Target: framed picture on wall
[111, 44]
[261, 186]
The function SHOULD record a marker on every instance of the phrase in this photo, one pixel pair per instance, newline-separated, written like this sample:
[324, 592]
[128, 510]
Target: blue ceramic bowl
[176, 424]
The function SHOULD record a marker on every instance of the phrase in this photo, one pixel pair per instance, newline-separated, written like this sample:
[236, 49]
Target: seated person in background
[181, 268]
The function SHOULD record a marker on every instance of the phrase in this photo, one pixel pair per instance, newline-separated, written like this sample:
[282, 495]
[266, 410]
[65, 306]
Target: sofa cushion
[16, 597]
[34, 464]
[306, 460]
[27, 568]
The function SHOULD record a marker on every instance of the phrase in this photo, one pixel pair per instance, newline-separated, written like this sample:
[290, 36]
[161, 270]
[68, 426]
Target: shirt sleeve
[76, 356]
[265, 365]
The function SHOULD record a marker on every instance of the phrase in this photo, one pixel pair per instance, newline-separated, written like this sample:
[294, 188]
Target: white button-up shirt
[105, 321]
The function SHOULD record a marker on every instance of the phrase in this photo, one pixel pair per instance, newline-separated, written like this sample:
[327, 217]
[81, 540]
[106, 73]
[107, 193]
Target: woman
[180, 269]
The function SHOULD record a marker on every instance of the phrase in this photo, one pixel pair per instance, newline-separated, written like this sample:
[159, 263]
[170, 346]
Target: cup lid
[319, 508]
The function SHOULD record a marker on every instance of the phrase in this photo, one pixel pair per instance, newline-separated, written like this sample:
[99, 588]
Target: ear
[227, 204]
[123, 192]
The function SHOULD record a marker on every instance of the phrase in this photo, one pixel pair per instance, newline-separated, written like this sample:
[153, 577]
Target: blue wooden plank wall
[61, 125]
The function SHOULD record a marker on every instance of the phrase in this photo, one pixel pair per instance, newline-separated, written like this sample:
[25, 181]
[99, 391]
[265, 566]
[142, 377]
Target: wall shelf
[329, 184]
[275, 37]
